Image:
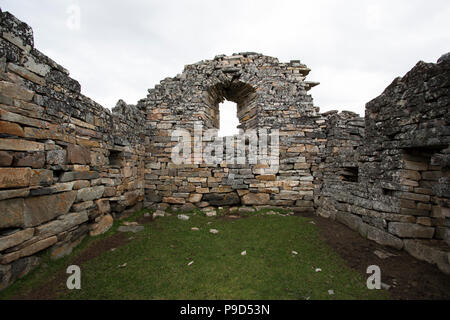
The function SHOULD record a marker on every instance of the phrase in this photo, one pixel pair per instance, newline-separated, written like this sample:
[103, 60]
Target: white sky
[355, 48]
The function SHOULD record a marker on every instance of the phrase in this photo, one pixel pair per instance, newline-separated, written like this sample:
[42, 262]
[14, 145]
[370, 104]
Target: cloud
[355, 48]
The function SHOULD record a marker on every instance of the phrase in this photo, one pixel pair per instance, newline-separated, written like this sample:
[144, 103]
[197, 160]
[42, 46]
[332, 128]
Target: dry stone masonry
[69, 167]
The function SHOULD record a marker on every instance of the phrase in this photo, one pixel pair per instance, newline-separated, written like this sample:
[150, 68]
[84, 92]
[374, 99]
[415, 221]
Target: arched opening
[228, 101]
[229, 120]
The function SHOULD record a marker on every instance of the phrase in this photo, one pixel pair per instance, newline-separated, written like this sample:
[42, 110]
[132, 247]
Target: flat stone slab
[133, 229]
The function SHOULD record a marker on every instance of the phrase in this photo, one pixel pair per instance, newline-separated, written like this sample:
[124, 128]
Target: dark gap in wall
[115, 158]
[350, 174]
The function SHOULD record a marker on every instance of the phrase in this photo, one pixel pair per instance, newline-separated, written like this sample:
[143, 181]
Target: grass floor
[157, 263]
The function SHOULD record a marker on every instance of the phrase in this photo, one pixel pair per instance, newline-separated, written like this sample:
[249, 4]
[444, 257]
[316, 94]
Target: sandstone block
[28, 251]
[195, 198]
[15, 238]
[14, 177]
[102, 226]
[66, 222]
[15, 91]
[12, 213]
[45, 208]
[78, 154]
[255, 198]
[20, 145]
[10, 128]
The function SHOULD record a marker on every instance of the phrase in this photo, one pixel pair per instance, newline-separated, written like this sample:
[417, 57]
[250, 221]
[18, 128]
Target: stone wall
[269, 95]
[398, 194]
[67, 165]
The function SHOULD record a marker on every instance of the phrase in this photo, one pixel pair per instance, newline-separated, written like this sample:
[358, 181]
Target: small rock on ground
[214, 231]
[383, 254]
[133, 229]
[183, 217]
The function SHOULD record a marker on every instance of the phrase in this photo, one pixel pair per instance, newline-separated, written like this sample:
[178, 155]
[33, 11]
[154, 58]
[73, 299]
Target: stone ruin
[69, 167]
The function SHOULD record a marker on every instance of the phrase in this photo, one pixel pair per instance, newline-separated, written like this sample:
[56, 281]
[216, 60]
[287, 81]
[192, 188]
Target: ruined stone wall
[400, 196]
[67, 165]
[269, 95]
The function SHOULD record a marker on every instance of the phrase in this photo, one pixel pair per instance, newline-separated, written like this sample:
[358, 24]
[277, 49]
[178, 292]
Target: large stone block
[222, 199]
[6, 159]
[78, 175]
[11, 128]
[384, 238]
[41, 209]
[78, 154]
[88, 194]
[15, 238]
[56, 157]
[429, 253]
[103, 225]
[29, 250]
[255, 198]
[15, 91]
[411, 230]
[29, 159]
[20, 145]
[14, 177]
[64, 223]
[11, 213]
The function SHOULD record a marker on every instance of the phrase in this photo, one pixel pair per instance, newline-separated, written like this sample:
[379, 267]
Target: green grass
[157, 263]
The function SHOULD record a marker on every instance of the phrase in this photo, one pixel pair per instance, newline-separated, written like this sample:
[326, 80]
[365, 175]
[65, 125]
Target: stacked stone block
[57, 182]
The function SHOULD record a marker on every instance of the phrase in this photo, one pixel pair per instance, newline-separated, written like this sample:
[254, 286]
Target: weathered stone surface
[14, 177]
[15, 91]
[410, 230]
[12, 213]
[103, 225]
[14, 193]
[256, 199]
[173, 200]
[92, 193]
[64, 223]
[56, 157]
[430, 253]
[103, 206]
[29, 250]
[59, 251]
[34, 159]
[81, 206]
[134, 229]
[195, 197]
[11, 128]
[78, 175]
[6, 159]
[18, 269]
[15, 238]
[384, 238]
[222, 199]
[45, 208]
[20, 145]
[78, 154]
[41, 177]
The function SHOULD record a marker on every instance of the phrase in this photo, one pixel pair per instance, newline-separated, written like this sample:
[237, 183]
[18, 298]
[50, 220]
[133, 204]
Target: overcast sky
[355, 48]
